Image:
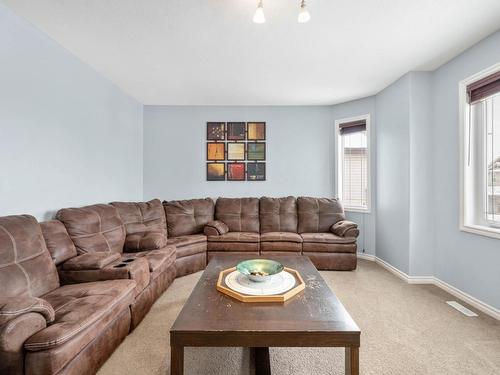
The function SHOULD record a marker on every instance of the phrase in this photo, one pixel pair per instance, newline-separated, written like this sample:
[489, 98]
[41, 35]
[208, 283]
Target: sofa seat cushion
[250, 237]
[148, 240]
[280, 237]
[81, 312]
[280, 247]
[233, 247]
[157, 259]
[235, 242]
[187, 240]
[192, 249]
[326, 238]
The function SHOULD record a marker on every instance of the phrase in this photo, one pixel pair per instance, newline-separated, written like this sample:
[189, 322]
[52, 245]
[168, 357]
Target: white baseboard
[467, 298]
[366, 256]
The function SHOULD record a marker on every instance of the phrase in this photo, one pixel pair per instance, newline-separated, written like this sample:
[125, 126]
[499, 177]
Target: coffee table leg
[261, 361]
[352, 361]
[176, 360]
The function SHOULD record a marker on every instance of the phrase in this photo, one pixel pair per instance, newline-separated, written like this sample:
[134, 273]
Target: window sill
[357, 210]
[481, 230]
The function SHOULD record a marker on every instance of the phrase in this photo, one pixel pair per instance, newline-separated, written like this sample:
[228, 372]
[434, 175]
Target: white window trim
[463, 106]
[338, 163]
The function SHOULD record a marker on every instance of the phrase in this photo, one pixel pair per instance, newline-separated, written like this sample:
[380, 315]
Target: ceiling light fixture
[304, 15]
[259, 17]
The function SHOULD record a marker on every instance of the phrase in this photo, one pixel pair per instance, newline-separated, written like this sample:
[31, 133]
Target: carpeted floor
[405, 329]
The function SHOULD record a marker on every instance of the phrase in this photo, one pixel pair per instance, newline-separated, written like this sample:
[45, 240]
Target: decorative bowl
[259, 269]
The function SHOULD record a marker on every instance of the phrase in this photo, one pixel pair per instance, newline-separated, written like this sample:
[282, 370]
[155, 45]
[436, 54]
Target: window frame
[466, 224]
[339, 163]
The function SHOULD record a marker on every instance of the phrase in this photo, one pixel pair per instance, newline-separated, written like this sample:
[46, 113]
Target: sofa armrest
[215, 228]
[142, 241]
[345, 228]
[12, 307]
[90, 261]
[13, 335]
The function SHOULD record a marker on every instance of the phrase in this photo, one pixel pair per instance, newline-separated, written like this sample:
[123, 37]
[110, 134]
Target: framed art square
[216, 131]
[236, 171]
[215, 172]
[215, 151]
[236, 131]
[256, 171]
[235, 151]
[256, 151]
[256, 131]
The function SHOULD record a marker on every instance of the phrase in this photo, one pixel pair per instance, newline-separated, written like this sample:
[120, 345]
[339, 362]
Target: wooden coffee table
[313, 318]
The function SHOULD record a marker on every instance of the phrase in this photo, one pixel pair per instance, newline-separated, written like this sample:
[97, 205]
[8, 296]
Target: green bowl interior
[270, 267]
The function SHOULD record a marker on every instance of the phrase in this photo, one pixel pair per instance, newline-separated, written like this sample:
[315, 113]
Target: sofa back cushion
[318, 214]
[278, 214]
[141, 217]
[58, 242]
[26, 268]
[94, 228]
[186, 217]
[239, 214]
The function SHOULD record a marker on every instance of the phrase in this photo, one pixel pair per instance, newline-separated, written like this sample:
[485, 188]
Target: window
[353, 162]
[480, 130]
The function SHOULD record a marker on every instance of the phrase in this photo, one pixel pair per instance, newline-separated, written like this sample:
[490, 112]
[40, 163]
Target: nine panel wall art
[236, 151]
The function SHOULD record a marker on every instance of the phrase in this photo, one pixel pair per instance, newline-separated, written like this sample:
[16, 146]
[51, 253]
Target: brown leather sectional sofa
[72, 288]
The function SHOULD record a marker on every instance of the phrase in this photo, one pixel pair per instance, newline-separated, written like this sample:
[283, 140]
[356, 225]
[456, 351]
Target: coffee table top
[315, 309]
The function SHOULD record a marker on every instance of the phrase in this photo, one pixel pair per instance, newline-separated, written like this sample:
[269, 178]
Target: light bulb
[259, 17]
[304, 15]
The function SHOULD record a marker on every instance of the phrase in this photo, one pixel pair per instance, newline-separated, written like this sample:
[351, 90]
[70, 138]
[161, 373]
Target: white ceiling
[208, 52]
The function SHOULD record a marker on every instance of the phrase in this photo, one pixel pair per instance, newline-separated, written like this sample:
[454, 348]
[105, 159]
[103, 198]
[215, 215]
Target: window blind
[354, 163]
[352, 127]
[483, 88]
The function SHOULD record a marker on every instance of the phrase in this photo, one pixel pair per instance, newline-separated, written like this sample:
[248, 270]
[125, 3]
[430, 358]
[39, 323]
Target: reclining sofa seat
[185, 222]
[278, 226]
[99, 236]
[241, 216]
[328, 239]
[46, 328]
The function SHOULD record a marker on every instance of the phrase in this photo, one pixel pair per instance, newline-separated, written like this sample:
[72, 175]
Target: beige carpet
[406, 329]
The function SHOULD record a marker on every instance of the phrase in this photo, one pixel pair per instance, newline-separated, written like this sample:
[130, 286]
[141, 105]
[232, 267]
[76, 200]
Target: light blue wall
[67, 136]
[467, 261]
[421, 218]
[418, 187]
[298, 154]
[393, 174]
